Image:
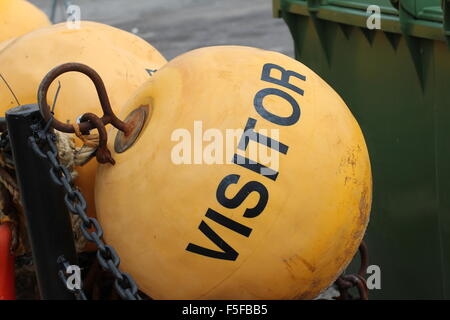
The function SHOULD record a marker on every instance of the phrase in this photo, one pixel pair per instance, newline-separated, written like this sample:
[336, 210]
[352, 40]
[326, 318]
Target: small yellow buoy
[18, 17]
[123, 60]
[194, 216]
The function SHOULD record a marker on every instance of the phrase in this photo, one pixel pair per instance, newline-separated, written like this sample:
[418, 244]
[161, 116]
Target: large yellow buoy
[123, 60]
[188, 226]
[18, 17]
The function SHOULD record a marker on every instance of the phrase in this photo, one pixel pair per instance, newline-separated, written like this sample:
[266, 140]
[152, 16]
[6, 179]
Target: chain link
[348, 281]
[43, 142]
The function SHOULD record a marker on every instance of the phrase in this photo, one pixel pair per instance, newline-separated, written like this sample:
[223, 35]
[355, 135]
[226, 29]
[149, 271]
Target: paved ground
[177, 26]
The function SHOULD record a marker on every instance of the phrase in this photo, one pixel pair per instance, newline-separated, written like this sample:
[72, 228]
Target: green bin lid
[418, 18]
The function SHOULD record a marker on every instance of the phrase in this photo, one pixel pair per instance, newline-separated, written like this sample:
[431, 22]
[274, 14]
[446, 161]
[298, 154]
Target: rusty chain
[347, 281]
[43, 142]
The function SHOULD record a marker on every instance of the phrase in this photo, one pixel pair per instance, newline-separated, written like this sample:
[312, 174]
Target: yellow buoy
[5, 43]
[195, 216]
[123, 60]
[18, 17]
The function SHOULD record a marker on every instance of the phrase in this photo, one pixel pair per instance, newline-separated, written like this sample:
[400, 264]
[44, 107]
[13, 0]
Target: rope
[70, 156]
[10, 184]
[4, 163]
[86, 152]
[9, 201]
[85, 138]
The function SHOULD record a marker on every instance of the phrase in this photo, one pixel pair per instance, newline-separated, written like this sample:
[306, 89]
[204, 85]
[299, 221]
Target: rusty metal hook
[108, 114]
[346, 282]
[102, 154]
[364, 253]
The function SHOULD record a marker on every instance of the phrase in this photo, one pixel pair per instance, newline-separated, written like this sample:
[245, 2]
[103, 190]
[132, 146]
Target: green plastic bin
[396, 81]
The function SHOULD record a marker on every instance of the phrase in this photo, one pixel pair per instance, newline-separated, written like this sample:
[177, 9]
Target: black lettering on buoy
[284, 82]
[228, 223]
[250, 134]
[227, 253]
[256, 167]
[282, 121]
[151, 71]
[285, 76]
[244, 192]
